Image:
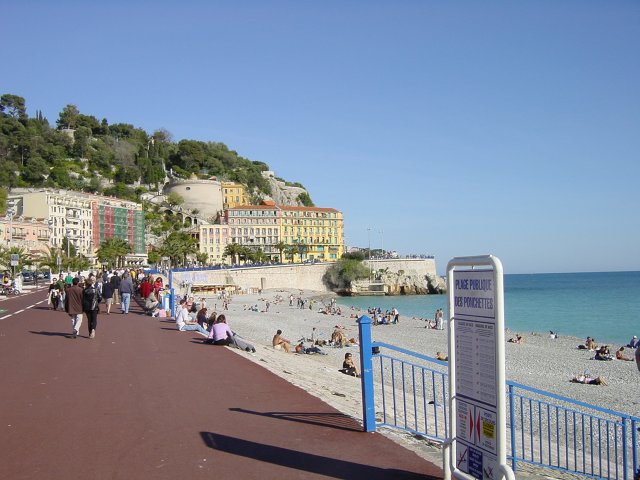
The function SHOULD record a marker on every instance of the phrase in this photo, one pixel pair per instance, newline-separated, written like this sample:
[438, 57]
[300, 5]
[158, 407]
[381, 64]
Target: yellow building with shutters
[310, 233]
[318, 233]
[234, 195]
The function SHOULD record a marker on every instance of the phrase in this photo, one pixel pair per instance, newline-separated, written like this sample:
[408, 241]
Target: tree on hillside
[340, 275]
[13, 106]
[174, 199]
[68, 117]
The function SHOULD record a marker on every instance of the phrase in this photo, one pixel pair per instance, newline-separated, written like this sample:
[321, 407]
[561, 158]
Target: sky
[449, 128]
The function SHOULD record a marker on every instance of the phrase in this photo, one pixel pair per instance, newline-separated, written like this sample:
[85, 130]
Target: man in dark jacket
[115, 282]
[73, 305]
[107, 294]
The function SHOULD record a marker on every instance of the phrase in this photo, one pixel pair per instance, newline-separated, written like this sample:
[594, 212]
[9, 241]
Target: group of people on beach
[194, 317]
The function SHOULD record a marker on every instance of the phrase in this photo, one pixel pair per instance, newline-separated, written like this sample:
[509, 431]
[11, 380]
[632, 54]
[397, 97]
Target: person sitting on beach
[202, 317]
[442, 357]
[300, 348]
[348, 367]
[184, 324]
[553, 335]
[220, 333]
[280, 343]
[338, 338]
[634, 342]
[517, 339]
[603, 353]
[587, 380]
[621, 356]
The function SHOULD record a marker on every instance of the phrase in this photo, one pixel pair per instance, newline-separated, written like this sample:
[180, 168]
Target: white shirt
[181, 317]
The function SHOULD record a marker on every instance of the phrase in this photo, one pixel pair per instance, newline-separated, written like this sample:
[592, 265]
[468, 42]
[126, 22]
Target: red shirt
[145, 289]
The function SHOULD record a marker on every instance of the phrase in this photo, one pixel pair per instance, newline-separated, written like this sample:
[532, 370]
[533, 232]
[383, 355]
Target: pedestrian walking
[126, 290]
[91, 306]
[73, 305]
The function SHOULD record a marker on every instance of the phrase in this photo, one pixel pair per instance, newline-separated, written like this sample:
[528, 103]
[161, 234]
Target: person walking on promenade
[91, 306]
[73, 306]
[107, 294]
[126, 290]
[115, 283]
[54, 294]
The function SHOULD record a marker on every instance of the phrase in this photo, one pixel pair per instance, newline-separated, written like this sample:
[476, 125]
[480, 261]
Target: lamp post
[369, 252]
[382, 236]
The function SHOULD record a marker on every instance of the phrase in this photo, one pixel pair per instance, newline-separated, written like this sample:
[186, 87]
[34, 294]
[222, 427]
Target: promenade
[143, 400]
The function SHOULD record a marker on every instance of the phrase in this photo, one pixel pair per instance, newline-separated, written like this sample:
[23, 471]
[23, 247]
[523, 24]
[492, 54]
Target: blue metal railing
[408, 391]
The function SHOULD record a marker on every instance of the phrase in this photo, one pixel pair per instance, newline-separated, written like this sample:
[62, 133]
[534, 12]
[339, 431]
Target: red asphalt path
[143, 400]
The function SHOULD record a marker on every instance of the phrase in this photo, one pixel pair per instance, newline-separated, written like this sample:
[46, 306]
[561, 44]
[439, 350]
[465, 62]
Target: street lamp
[369, 253]
[382, 235]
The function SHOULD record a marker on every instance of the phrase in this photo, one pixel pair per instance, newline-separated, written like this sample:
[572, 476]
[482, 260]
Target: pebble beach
[540, 361]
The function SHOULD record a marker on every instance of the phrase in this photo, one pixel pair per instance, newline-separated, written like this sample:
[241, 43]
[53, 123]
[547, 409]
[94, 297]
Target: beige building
[30, 234]
[213, 239]
[85, 219]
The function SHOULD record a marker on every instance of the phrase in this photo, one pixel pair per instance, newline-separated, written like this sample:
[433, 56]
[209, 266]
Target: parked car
[46, 275]
[27, 277]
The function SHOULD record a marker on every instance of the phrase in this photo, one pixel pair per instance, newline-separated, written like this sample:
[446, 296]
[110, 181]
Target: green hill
[86, 154]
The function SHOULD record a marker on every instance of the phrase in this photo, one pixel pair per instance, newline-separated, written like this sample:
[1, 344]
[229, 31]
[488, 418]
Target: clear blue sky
[456, 128]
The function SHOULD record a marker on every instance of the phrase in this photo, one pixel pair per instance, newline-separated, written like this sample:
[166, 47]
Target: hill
[86, 154]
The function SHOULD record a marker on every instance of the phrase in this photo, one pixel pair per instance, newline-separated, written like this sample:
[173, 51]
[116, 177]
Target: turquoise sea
[604, 305]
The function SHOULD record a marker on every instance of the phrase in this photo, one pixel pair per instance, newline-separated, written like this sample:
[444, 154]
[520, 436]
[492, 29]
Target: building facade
[27, 233]
[234, 195]
[317, 232]
[86, 220]
[310, 233]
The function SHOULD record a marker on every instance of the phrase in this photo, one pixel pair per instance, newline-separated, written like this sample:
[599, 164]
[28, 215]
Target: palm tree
[24, 258]
[290, 252]
[202, 258]
[113, 251]
[177, 246]
[281, 246]
[233, 251]
[52, 259]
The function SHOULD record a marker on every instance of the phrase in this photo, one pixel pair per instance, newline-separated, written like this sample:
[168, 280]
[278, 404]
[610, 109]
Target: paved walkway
[144, 401]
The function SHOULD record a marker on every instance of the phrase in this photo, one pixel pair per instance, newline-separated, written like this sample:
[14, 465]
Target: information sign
[15, 259]
[476, 369]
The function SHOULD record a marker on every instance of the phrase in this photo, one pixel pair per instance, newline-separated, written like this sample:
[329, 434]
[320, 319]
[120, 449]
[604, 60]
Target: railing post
[172, 301]
[634, 440]
[512, 426]
[624, 448]
[366, 376]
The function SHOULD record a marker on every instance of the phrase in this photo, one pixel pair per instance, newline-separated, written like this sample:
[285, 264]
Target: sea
[603, 305]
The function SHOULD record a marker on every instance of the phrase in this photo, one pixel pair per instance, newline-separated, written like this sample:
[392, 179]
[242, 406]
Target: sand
[540, 362]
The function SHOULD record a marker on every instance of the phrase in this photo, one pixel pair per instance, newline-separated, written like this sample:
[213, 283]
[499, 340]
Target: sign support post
[477, 447]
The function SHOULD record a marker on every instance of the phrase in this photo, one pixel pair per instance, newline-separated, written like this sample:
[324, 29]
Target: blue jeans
[196, 328]
[126, 301]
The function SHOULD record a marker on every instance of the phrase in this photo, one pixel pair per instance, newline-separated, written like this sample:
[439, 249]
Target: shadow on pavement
[333, 420]
[51, 334]
[318, 464]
